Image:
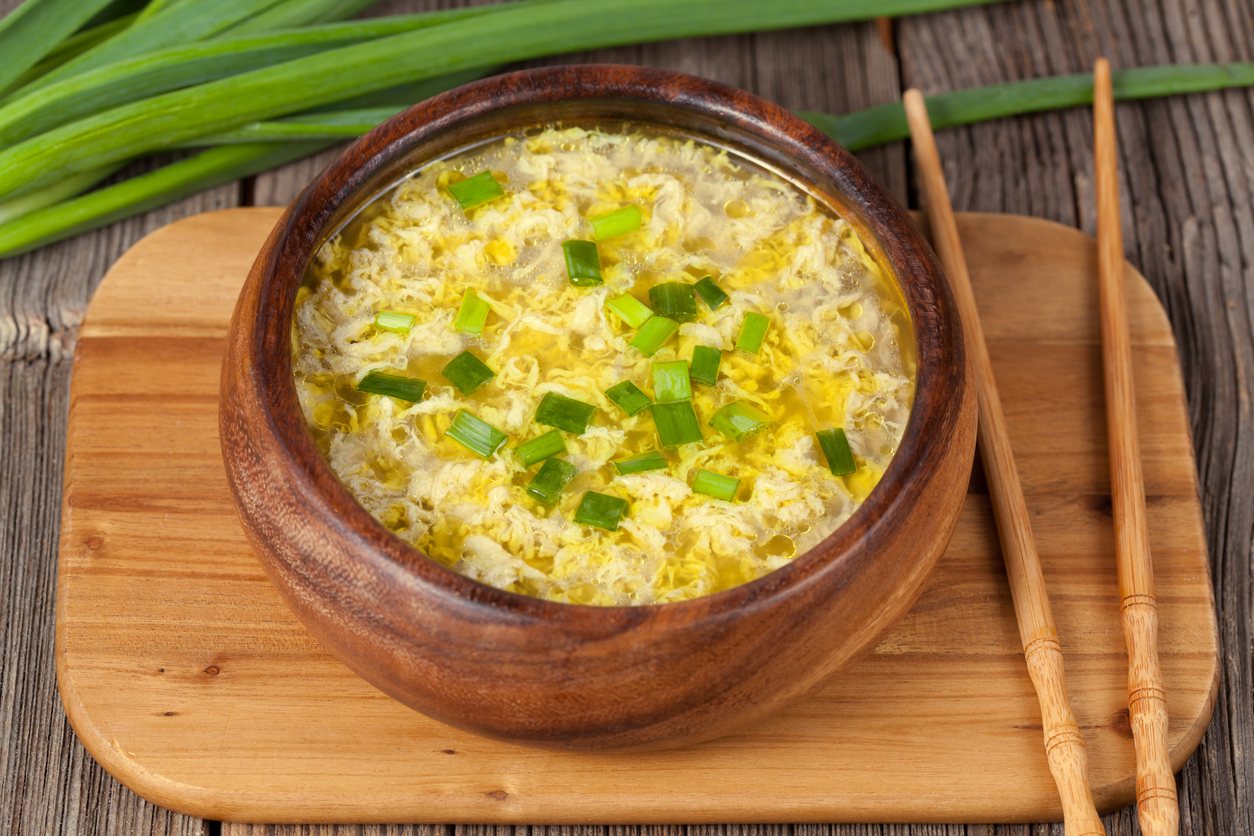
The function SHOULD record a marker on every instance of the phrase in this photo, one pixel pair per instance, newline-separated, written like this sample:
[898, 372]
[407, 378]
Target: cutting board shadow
[189, 680]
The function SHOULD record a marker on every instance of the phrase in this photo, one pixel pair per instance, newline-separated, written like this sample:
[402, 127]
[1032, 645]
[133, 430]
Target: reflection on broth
[743, 473]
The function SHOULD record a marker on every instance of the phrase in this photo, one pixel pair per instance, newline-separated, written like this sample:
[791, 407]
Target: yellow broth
[832, 358]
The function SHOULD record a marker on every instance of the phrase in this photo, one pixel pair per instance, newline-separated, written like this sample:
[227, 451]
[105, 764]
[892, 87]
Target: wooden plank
[1188, 225]
[173, 643]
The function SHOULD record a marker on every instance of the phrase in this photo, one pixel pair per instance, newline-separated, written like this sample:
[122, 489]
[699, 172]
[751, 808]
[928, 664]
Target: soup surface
[389, 294]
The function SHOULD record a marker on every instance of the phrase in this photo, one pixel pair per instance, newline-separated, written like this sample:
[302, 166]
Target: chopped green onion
[652, 460]
[564, 413]
[618, 222]
[632, 311]
[670, 382]
[711, 293]
[467, 372]
[716, 485]
[554, 475]
[540, 448]
[675, 300]
[477, 436]
[705, 363]
[628, 397]
[836, 450]
[600, 510]
[393, 321]
[393, 385]
[472, 314]
[476, 191]
[739, 420]
[656, 331]
[676, 423]
[583, 262]
[752, 332]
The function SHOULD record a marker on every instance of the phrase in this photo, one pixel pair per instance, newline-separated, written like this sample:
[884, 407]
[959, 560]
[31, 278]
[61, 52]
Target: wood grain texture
[1157, 805]
[202, 654]
[1189, 215]
[1064, 745]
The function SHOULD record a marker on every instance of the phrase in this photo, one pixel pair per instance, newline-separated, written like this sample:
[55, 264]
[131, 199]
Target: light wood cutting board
[185, 675]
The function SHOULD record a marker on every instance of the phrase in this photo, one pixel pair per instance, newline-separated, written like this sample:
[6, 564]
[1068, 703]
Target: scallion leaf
[655, 332]
[652, 460]
[600, 510]
[674, 300]
[676, 423]
[711, 293]
[564, 413]
[628, 397]
[705, 363]
[467, 372]
[739, 420]
[752, 332]
[583, 262]
[476, 435]
[472, 314]
[395, 321]
[835, 446]
[34, 28]
[630, 309]
[552, 478]
[716, 485]
[619, 222]
[670, 382]
[476, 191]
[540, 448]
[393, 385]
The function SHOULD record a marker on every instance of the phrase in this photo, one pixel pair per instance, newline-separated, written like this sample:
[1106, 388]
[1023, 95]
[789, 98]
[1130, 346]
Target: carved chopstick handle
[1064, 746]
[1157, 807]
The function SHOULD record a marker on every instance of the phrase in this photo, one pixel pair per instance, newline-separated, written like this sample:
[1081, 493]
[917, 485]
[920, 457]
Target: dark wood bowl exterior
[557, 675]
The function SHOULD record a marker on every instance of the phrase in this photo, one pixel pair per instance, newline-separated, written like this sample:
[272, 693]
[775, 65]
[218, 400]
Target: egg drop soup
[607, 368]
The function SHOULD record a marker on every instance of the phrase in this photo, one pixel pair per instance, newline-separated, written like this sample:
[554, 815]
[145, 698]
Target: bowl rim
[920, 281]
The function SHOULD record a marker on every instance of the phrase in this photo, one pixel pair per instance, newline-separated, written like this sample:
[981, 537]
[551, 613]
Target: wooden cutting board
[186, 676]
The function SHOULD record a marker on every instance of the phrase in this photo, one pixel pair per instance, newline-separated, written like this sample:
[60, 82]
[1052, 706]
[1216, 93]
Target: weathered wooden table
[1187, 175]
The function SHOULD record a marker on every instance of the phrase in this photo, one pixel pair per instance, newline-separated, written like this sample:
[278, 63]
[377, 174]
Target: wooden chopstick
[1147, 706]
[1064, 747]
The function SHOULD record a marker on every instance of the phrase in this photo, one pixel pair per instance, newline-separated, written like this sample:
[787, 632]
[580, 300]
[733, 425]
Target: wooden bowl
[559, 675]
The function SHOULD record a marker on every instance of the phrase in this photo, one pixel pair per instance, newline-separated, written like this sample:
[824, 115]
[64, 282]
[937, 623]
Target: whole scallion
[34, 29]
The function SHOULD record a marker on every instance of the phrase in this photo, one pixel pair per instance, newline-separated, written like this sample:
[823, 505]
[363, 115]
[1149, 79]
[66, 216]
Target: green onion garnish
[632, 311]
[705, 363]
[752, 332]
[393, 385]
[670, 382]
[564, 413]
[583, 262]
[628, 397]
[618, 222]
[540, 448]
[393, 321]
[716, 485]
[711, 293]
[551, 479]
[479, 437]
[467, 372]
[472, 314]
[600, 510]
[652, 460]
[675, 300]
[676, 423]
[477, 190]
[836, 450]
[656, 331]
[739, 420]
